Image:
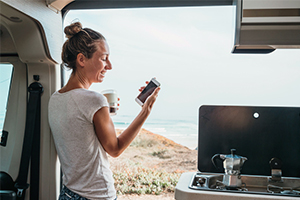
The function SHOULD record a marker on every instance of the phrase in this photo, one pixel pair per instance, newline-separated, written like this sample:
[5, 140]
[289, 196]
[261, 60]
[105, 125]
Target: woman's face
[98, 64]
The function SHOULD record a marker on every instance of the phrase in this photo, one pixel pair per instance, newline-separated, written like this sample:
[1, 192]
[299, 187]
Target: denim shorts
[67, 194]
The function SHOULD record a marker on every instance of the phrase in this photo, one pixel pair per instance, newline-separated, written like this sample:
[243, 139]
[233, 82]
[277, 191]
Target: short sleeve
[90, 103]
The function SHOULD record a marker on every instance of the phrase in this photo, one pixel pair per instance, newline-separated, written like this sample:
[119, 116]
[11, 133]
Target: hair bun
[72, 29]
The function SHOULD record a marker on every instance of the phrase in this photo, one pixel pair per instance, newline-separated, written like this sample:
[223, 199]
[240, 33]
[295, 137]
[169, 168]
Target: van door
[24, 53]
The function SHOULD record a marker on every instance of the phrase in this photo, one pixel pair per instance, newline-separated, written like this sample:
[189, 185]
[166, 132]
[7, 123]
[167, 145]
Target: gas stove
[268, 139]
[261, 185]
[205, 186]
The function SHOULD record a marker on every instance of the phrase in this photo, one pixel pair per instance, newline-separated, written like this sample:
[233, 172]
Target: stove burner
[201, 182]
[290, 192]
[283, 190]
[221, 186]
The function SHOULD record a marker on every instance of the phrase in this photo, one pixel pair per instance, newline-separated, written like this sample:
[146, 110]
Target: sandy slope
[155, 151]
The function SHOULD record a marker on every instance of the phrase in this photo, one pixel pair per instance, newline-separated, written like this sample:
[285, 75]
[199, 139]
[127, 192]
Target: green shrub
[142, 180]
[161, 154]
[142, 141]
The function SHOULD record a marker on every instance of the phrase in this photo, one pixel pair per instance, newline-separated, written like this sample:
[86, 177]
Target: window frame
[15, 116]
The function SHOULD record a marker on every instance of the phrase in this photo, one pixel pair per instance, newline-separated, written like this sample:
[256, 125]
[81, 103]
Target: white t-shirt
[83, 160]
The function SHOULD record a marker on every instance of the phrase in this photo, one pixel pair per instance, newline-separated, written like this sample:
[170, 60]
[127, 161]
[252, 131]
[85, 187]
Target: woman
[79, 119]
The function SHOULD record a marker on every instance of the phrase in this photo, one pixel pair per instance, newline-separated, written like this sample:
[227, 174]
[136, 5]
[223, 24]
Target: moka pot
[232, 166]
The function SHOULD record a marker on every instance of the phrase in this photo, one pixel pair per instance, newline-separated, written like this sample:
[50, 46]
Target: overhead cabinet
[265, 25]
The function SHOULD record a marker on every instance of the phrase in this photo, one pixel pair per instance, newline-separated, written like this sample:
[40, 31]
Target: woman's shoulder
[85, 91]
[88, 95]
[79, 94]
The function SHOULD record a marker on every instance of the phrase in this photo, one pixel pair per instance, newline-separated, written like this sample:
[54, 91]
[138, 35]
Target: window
[5, 80]
[188, 50]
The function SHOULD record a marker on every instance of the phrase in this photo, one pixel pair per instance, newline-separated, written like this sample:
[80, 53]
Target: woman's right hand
[151, 99]
[105, 129]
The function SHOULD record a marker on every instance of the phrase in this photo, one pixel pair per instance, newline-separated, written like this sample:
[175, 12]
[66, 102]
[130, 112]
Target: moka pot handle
[214, 158]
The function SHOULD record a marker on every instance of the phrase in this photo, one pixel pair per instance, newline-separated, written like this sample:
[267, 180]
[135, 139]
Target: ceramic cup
[112, 99]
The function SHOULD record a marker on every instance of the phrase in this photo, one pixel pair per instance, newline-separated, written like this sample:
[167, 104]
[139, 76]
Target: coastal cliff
[150, 166]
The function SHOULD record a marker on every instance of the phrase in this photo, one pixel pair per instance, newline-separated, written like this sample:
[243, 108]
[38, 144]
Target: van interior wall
[24, 44]
[48, 20]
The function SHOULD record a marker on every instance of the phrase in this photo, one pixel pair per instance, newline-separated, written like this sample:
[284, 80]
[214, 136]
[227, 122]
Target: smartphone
[148, 90]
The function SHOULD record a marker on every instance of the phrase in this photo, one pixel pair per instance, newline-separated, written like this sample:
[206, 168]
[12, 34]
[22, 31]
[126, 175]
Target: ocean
[184, 132]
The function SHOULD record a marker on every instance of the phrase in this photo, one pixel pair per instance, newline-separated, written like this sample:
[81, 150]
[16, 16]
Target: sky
[188, 50]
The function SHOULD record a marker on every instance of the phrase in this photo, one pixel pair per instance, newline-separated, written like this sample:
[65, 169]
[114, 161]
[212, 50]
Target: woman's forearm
[105, 130]
[133, 129]
[128, 135]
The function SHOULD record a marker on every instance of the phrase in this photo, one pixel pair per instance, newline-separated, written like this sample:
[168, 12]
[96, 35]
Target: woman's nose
[109, 65]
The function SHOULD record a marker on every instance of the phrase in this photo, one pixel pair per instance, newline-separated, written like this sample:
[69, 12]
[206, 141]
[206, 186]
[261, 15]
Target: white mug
[112, 99]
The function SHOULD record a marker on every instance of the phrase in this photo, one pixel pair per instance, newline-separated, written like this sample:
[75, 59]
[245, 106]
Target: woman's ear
[80, 59]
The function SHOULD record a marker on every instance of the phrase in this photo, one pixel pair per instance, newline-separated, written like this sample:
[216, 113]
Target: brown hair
[79, 41]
